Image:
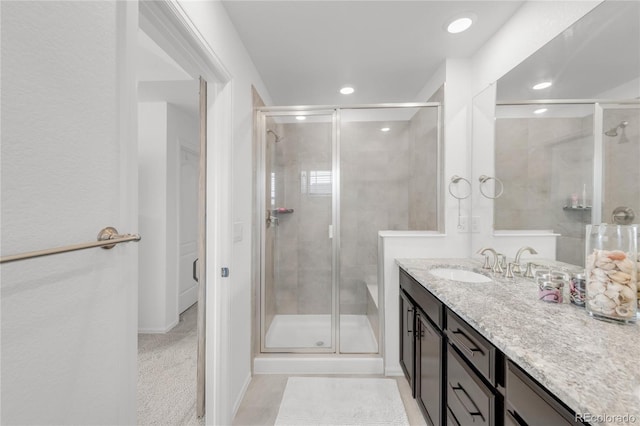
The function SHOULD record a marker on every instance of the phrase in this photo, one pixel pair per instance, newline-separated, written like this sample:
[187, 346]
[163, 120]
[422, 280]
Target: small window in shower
[319, 182]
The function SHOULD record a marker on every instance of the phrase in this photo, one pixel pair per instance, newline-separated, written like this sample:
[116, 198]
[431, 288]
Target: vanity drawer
[476, 349]
[528, 403]
[425, 300]
[469, 400]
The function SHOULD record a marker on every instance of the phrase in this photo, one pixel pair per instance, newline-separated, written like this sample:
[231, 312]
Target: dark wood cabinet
[528, 403]
[429, 369]
[407, 339]
[422, 347]
[458, 377]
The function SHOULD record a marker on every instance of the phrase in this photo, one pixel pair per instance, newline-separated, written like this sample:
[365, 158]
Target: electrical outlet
[475, 224]
[463, 224]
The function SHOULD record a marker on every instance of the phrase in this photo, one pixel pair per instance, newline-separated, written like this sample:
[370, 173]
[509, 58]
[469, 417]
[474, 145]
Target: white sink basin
[460, 275]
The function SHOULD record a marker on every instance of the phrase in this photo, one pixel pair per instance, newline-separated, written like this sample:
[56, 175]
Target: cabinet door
[429, 370]
[407, 340]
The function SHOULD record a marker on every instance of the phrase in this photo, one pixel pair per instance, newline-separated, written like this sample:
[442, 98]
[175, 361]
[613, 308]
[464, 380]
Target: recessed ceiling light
[459, 25]
[300, 117]
[385, 129]
[542, 85]
[540, 111]
[347, 90]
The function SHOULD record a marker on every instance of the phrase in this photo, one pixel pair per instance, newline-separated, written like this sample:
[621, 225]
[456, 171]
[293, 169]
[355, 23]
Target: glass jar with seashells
[612, 272]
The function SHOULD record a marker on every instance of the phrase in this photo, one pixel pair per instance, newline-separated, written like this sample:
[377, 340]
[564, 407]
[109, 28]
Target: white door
[68, 169]
[188, 217]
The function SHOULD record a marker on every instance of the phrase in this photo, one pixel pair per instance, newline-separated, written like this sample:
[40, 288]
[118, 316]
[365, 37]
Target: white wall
[68, 321]
[213, 22]
[161, 126]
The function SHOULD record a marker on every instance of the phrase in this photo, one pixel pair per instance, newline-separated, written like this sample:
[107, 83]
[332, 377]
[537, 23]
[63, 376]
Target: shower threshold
[314, 331]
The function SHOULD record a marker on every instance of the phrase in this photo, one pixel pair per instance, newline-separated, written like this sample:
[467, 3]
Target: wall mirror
[563, 137]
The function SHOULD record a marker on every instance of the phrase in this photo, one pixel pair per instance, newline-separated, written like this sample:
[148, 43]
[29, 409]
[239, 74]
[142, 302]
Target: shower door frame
[309, 110]
[263, 113]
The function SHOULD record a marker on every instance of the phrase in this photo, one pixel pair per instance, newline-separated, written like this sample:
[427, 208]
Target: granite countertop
[592, 366]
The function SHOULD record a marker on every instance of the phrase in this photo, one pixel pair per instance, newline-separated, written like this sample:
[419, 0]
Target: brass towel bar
[107, 239]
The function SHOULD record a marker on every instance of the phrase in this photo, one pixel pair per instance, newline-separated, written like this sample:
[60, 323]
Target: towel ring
[456, 179]
[484, 179]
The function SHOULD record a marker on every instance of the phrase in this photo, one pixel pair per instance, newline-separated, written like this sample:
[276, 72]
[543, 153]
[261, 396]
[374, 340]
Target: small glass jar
[577, 289]
[611, 272]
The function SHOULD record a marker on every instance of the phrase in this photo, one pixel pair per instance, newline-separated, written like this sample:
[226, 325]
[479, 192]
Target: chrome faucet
[497, 268]
[516, 267]
[482, 251]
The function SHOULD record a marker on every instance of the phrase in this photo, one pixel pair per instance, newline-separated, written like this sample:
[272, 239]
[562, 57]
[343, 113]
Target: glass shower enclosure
[330, 179]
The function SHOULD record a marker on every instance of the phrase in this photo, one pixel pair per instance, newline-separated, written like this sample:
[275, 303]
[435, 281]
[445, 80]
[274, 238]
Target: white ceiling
[306, 50]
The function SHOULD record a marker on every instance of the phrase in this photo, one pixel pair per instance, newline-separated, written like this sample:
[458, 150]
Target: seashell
[607, 266]
[600, 275]
[624, 311]
[617, 255]
[604, 302]
[620, 277]
[614, 295]
[625, 265]
[596, 287]
[627, 294]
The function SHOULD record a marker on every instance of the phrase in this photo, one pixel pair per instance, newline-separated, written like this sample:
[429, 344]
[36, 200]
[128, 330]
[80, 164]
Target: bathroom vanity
[491, 353]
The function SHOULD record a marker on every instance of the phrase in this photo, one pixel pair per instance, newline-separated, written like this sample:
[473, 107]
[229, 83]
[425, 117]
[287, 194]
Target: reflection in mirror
[598, 57]
[546, 163]
[567, 157]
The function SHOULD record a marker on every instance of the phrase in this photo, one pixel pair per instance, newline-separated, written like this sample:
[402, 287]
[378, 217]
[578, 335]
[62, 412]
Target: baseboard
[158, 330]
[394, 372]
[318, 365]
[240, 397]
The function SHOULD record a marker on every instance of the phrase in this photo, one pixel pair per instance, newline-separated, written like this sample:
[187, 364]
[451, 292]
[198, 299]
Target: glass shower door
[298, 284]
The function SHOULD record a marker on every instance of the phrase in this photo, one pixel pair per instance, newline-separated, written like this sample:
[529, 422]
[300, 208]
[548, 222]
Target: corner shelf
[579, 208]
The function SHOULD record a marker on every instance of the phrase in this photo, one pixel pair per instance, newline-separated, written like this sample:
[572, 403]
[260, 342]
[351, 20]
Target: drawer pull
[457, 390]
[407, 315]
[471, 349]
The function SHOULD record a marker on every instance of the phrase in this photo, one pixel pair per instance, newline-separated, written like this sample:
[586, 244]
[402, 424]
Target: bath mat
[341, 401]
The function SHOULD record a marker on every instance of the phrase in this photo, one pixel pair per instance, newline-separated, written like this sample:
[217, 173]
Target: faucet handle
[510, 270]
[486, 262]
[529, 272]
[497, 264]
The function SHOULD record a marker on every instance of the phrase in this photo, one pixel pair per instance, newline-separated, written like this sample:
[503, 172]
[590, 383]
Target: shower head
[614, 130]
[274, 134]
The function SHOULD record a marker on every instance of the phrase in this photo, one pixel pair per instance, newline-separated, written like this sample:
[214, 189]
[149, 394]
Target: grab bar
[107, 239]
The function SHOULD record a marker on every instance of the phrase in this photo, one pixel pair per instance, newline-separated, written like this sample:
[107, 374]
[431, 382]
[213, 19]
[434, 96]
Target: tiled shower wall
[388, 182]
[302, 243]
[542, 162]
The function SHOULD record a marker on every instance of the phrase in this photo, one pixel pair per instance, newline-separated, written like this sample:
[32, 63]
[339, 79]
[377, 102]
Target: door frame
[168, 25]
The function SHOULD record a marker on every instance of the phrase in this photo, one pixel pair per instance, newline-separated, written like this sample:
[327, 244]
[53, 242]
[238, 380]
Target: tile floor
[262, 400]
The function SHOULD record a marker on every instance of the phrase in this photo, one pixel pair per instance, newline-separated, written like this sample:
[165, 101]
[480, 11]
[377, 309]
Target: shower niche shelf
[282, 210]
[577, 209]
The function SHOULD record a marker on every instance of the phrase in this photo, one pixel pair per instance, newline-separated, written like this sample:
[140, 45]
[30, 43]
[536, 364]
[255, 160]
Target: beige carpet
[341, 401]
[167, 375]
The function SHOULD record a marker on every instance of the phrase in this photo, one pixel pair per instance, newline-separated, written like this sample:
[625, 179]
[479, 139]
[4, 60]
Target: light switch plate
[237, 232]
